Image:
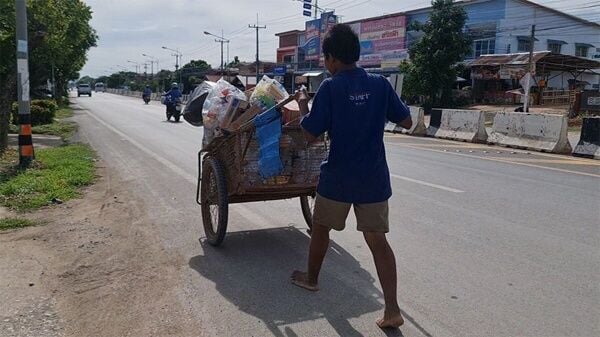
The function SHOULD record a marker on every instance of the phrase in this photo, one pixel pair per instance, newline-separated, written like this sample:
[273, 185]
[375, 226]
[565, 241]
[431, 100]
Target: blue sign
[280, 70]
[308, 1]
[307, 6]
[307, 13]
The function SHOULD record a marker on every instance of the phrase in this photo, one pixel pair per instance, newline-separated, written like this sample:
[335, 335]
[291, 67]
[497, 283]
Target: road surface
[489, 241]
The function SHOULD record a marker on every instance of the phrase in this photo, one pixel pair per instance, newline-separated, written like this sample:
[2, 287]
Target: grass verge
[59, 127]
[10, 223]
[56, 174]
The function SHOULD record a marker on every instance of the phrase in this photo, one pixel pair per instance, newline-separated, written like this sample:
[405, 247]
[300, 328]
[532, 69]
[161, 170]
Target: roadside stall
[253, 150]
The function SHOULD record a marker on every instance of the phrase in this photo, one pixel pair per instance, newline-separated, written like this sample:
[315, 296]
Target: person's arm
[397, 111]
[318, 120]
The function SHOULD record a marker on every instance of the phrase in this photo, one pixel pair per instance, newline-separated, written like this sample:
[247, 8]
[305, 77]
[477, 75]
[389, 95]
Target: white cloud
[128, 28]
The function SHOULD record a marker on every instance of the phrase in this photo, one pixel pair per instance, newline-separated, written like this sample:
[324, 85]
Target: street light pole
[177, 55]
[25, 140]
[221, 40]
[152, 61]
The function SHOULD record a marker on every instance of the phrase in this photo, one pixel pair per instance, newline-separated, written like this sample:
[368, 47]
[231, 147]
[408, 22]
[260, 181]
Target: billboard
[382, 41]
[312, 44]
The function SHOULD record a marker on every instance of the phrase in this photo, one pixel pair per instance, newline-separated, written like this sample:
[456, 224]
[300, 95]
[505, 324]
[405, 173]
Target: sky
[129, 28]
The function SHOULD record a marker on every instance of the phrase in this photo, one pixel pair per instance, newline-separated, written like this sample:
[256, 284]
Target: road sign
[308, 1]
[307, 13]
[307, 6]
[280, 70]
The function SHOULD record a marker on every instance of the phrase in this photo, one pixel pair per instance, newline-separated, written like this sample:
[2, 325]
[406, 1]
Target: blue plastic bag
[268, 133]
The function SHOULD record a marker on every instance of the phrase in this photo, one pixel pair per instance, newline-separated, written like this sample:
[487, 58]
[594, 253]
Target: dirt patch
[96, 267]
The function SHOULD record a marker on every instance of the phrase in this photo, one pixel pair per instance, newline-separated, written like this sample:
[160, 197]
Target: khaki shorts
[369, 217]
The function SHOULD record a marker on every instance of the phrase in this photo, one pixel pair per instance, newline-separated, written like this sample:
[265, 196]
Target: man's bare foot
[300, 279]
[393, 321]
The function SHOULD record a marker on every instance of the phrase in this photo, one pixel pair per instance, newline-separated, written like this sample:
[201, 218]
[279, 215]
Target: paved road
[489, 241]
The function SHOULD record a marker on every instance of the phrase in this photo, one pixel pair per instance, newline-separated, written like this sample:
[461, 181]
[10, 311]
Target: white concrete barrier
[418, 123]
[465, 125]
[540, 132]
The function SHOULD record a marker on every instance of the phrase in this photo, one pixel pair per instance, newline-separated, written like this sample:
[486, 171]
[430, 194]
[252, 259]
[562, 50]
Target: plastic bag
[267, 93]
[193, 109]
[215, 107]
[268, 133]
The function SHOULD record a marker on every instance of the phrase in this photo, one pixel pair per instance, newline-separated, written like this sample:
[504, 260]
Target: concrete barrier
[589, 142]
[418, 119]
[465, 125]
[540, 132]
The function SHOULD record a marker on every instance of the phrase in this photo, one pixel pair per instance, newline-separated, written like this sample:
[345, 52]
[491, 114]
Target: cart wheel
[308, 204]
[215, 206]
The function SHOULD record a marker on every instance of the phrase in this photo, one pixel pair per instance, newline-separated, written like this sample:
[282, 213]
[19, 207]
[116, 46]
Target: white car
[99, 87]
[84, 89]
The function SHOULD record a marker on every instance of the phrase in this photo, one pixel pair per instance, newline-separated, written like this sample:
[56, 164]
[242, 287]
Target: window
[288, 59]
[554, 47]
[581, 50]
[524, 45]
[484, 47]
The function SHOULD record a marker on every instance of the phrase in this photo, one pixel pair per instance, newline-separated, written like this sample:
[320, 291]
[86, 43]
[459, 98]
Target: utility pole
[257, 27]
[529, 69]
[316, 7]
[25, 139]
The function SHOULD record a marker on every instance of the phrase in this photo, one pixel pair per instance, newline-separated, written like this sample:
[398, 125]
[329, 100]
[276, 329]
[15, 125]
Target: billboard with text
[382, 41]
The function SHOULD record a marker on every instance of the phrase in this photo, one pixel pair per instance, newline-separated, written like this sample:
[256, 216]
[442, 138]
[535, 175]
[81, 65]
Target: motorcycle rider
[146, 94]
[171, 98]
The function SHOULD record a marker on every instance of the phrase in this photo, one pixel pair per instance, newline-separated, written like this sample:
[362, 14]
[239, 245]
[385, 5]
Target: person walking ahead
[353, 107]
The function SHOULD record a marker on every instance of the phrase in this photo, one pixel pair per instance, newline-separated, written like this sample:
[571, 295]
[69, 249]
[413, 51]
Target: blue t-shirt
[353, 107]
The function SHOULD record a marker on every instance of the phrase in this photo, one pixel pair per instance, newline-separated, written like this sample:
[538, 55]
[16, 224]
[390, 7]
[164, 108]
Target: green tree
[197, 65]
[59, 36]
[434, 59]
[234, 63]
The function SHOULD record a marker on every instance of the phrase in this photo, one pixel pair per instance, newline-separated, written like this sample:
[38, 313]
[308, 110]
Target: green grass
[9, 223]
[56, 173]
[63, 112]
[63, 129]
[59, 128]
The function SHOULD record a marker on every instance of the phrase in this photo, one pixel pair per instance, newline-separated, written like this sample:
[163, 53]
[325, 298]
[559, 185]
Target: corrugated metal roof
[507, 59]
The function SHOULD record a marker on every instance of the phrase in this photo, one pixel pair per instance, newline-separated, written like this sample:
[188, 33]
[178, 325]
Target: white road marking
[420, 182]
[241, 209]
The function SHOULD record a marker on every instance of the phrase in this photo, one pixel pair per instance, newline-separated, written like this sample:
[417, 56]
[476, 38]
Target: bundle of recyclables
[256, 135]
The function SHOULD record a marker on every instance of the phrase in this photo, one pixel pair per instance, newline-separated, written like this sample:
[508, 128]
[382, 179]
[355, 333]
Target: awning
[526, 38]
[585, 45]
[313, 74]
[556, 42]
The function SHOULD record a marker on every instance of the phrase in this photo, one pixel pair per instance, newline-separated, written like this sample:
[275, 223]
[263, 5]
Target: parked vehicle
[99, 87]
[84, 89]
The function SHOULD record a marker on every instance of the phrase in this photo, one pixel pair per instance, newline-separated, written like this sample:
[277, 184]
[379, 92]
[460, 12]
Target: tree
[432, 69]
[197, 65]
[234, 63]
[59, 36]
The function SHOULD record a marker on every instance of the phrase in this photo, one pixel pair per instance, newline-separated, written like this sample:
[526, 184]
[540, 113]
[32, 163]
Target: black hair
[341, 42]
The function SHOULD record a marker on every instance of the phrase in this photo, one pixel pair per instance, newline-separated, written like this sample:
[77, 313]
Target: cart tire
[214, 194]
[308, 204]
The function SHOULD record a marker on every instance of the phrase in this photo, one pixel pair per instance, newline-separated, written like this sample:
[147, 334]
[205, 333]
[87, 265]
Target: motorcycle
[146, 99]
[173, 108]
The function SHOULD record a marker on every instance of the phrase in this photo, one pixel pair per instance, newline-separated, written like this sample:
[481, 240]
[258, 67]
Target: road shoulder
[95, 265]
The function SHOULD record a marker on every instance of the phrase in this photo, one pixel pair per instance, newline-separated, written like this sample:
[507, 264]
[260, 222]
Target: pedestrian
[353, 107]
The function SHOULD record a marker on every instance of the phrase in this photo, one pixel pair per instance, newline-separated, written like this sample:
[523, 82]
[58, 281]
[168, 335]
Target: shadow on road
[253, 268]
